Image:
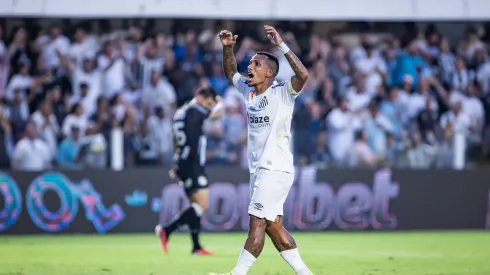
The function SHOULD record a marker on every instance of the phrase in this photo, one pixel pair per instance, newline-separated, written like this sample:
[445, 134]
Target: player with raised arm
[269, 110]
[189, 161]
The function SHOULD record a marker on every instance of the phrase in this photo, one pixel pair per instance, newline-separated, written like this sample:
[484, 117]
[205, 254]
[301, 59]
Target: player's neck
[262, 87]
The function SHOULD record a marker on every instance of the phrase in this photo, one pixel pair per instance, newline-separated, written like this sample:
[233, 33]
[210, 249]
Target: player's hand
[227, 38]
[273, 35]
[172, 174]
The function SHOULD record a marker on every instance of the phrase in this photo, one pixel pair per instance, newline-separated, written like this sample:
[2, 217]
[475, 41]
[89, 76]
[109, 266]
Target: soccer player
[189, 161]
[269, 110]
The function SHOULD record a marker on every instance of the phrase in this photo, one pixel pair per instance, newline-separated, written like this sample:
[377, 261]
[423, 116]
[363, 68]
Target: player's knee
[203, 205]
[273, 227]
[257, 225]
[199, 209]
[200, 198]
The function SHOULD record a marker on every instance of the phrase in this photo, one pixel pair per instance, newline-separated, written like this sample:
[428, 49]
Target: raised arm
[229, 63]
[300, 73]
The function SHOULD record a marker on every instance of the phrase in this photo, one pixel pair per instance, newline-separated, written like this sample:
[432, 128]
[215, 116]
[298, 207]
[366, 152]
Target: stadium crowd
[385, 100]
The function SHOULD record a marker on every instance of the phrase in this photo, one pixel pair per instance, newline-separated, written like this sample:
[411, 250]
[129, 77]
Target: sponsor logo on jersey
[263, 102]
[258, 206]
[279, 85]
[260, 121]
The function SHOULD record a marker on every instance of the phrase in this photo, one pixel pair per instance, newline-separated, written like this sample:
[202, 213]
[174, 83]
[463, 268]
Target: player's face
[258, 70]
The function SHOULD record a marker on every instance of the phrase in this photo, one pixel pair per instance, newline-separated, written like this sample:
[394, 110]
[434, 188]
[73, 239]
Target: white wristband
[284, 48]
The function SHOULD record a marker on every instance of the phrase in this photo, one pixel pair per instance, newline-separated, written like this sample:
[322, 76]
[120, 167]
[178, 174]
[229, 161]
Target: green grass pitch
[399, 253]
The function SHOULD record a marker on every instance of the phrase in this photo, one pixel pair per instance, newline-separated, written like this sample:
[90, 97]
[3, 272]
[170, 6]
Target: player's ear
[269, 73]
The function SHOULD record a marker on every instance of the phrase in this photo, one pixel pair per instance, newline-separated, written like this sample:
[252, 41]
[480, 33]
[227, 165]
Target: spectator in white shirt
[481, 68]
[56, 44]
[113, 66]
[149, 62]
[446, 61]
[420, 155]
[376, 127]
[119, 107]
[341, 132]
[89, 75]
[362, 156]
[75, 118]
[417, 101]
[473, 107]
[79, 48]
[86, 99]
[132, 95]
[31, 153]
[47, 126]
[21, 81]
[373, 67]
[456, 120]
[461, 77]
[357, 96]
[160, 133]
[359, 52]
[133, 43]
[472, 43]
[159, 93]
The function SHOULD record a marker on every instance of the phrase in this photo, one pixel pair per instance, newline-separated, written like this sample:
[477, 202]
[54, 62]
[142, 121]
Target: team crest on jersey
[263, 103]
[251, 95]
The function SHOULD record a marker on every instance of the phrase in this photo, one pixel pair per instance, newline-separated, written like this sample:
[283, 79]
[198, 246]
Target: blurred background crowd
[408, 97]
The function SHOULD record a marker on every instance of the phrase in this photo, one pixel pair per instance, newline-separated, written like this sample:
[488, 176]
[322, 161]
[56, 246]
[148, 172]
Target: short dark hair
[207, 92]
[274, 59]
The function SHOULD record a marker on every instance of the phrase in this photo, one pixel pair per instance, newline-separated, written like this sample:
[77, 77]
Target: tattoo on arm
[229, 62]
[300, 71]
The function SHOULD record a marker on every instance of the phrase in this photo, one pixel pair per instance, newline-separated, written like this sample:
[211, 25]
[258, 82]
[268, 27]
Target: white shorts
[269, 191]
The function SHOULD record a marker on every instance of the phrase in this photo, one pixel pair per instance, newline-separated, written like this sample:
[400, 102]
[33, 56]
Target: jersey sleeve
[286, 92]
[240, 83]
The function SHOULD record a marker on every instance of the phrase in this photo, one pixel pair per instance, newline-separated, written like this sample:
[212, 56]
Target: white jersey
[269, 125]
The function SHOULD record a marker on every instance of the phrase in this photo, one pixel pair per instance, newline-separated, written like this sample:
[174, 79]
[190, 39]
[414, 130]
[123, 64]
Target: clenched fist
[227, 38]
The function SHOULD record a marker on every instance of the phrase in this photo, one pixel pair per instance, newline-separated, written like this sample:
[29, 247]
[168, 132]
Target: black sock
[195, 227]
[186, 217]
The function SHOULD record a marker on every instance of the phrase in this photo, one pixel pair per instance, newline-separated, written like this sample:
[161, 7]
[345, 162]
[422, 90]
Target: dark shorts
[192, 182]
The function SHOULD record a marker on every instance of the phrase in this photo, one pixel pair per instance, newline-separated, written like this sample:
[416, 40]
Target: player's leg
[253, 245]
[199, 201]
[282, 240]
[286, 245]
[197, 191]
[198, 205]
[259, 210]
